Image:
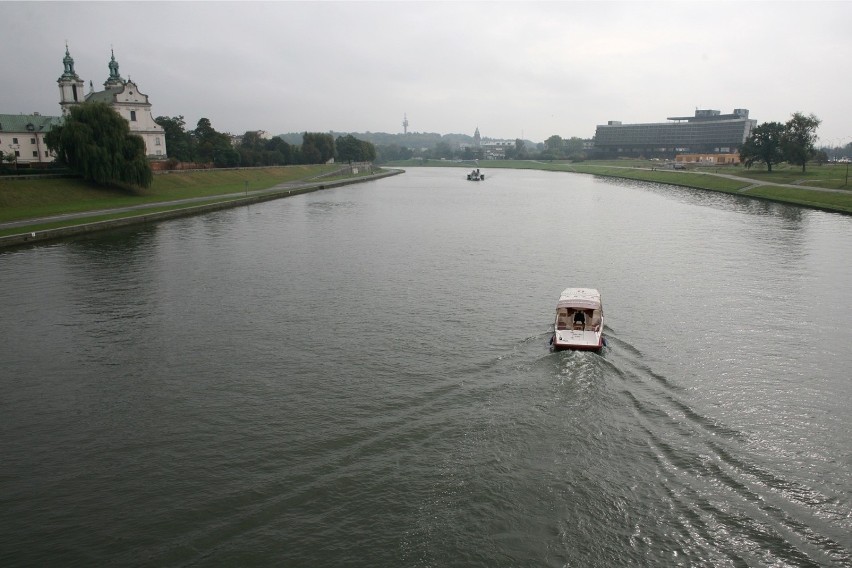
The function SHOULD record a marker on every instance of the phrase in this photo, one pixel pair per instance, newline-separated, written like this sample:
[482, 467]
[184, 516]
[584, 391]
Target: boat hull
[577, 340]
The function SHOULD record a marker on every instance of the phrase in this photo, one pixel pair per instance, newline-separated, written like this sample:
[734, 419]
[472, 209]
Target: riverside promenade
[152, 212]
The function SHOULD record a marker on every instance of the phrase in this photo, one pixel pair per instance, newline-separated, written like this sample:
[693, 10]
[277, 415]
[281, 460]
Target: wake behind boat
[579, 320]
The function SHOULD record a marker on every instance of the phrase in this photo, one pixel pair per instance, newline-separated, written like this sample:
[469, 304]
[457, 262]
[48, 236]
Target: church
[23, 135]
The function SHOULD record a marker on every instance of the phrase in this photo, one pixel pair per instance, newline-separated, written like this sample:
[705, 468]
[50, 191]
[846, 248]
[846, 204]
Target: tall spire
[70, 85]
[68, 62]
[115, 79]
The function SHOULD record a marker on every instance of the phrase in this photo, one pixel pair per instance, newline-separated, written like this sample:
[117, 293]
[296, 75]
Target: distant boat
[579, 320]
[475, 175]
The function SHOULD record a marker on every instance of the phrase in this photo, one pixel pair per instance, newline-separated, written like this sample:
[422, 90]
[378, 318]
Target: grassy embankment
[754, 182]
[38, 198]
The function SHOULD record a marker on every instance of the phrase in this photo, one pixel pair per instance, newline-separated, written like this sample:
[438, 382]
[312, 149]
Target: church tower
[477, 139]
[70, 85]
[115, 79]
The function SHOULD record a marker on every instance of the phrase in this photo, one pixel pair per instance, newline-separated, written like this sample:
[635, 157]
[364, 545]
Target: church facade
[23, 135]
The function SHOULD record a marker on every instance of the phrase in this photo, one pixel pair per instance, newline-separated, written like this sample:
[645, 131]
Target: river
[360, 376]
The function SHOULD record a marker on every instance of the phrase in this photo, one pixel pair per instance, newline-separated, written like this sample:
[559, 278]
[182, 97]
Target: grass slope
[758, 182]
[35, 198]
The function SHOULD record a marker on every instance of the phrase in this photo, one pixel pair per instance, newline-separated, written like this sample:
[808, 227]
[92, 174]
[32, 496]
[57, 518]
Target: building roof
[28, 122]
[105, 96]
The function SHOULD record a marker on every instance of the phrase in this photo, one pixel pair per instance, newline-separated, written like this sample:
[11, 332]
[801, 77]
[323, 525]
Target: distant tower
[477, 139]
[115, 79]
[70, 85]
[405, 124]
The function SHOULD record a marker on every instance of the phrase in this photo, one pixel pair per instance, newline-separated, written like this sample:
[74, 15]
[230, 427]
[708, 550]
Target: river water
[360, 377]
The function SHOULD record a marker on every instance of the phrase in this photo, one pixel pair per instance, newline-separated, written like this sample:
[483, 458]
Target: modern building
[708, 132]
[23, 135]
[496, 149]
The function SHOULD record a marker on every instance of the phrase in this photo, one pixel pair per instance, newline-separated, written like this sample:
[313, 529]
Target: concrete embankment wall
[143, 218]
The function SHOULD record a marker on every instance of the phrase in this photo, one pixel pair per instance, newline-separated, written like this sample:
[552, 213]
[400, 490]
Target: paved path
[280, 188]
[752, 182]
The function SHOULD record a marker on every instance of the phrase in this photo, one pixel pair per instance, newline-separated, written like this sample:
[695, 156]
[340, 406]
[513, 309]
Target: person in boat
[580, 318]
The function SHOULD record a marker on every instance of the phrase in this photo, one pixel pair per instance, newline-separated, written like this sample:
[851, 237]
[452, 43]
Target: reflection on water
[361, 376]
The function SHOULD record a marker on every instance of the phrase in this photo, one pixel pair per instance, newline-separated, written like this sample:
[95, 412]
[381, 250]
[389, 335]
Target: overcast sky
[512, 69]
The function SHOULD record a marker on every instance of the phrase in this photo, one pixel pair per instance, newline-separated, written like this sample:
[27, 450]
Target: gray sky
[511, 69]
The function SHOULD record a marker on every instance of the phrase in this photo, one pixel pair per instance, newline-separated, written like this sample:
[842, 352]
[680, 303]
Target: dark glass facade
[706, 132]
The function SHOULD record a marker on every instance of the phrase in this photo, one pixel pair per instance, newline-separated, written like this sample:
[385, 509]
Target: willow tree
[95, 141]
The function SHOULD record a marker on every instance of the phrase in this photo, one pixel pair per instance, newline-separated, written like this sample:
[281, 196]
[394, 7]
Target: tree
[212, 146]
[763, 145]
[350, 149]
[574, 148]
[96, 142]
[520, 152]
[281, 149]
[9, 158]
[392, 152]
[251, 149]
[317, 148]
[442, 150]
[368, 151]
[799, 139]
[252, 140]
[553, 148]
[178, 142]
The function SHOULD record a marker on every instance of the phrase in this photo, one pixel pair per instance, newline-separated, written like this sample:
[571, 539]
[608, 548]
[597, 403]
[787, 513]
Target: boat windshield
[572, 317]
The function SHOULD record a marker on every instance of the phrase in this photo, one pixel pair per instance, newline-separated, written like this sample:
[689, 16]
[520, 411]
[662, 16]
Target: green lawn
[36, 198]
[33, 198]
[829, 176]
[96, 218]
[836, 201]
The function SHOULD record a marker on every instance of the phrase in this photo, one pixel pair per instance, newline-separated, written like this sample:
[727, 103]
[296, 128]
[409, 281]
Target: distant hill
[413, 140]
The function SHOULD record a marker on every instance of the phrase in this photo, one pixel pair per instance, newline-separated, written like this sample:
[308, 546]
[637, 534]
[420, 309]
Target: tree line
[774, 143]
[96, 142]
[205, 145]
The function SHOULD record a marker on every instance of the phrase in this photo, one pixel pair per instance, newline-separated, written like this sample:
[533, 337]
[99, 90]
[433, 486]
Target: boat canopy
[581, 298]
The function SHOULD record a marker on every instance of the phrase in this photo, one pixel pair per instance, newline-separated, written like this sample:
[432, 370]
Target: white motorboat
[579, 320]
